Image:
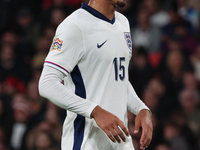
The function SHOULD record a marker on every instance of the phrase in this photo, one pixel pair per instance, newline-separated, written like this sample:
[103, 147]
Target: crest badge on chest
[127, 37]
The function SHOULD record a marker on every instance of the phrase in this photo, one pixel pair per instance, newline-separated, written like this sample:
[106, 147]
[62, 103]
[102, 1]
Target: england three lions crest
[127, 36]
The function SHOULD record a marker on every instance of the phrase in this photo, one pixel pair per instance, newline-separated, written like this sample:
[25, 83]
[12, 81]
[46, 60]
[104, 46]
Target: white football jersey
[94, 53]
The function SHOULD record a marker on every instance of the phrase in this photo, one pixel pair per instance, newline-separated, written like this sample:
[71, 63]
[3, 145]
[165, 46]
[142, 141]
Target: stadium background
[164, 70]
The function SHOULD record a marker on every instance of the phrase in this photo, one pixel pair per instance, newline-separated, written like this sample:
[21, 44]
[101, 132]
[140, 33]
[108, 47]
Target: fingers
[137, 127]
[114, 132]
[119, 132]
[110, 135]
[124, 129]
[146, 137]
[110, 124]
[115, 135]
[143, 139]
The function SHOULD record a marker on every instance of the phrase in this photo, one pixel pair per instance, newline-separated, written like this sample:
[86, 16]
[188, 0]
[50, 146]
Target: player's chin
[121, 3]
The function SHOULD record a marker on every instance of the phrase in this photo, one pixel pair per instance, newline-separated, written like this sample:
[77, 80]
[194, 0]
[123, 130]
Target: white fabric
[17, 135]
[50, 87]
[149, 39]
[102, 72]
[134, 103]
[72, 49]
[160, 19]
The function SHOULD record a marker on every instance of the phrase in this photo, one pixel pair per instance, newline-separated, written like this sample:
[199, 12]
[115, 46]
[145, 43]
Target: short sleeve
[67, 47]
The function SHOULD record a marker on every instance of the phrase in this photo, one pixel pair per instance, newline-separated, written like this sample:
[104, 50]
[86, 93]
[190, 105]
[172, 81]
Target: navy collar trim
[97, 14]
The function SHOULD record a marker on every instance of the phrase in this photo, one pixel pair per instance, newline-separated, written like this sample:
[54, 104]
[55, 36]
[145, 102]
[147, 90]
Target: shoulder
[74, 21]
[120, 17]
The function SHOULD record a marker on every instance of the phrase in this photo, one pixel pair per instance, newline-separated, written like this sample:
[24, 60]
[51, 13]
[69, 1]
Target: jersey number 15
[119, 68]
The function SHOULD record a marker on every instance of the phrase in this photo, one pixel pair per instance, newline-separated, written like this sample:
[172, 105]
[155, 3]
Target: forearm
[51, 88]
[134, 105]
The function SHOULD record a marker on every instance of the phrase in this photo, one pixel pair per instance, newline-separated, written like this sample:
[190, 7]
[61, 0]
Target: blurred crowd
[164, 71]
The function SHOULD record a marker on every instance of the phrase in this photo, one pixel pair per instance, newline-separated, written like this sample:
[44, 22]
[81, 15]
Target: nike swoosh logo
[99, 46]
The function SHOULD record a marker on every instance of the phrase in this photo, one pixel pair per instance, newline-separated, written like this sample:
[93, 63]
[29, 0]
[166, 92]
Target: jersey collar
[96, 13]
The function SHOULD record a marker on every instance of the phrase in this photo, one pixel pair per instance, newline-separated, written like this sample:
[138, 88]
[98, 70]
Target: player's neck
[104, 7]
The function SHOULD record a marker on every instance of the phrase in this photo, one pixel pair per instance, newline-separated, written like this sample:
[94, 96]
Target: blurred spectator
[21, 53]
[28, 28]
[195, 4]
[188, 41]
[172, 75]
[51, 125]
[163, 146]
[172, 134]
[189, 81]
[2, 117]
[180, 118]
[43, 47]
[50, 6]
[4, 15]
[1, 88]
[18, 127]
[57, 16]
[9, 38]
[3, 146]
[195, 60]
[7, 58]
[33, 93]
[36, 72]
[43, 141]
[198, 147]
[158, 17]
[12, 85]
[189, 100]
[36, 103]
[9, 66]
[2, 134]
[176, 44]
[140, 71]
[145, 34]
[175, 20]
[23, 49]
[49, 32]
[161, 101]
[53, 119]
[31, 136]
[151, 100]
[157, 87]
[55, 12]
[169, 4]
[188, 13]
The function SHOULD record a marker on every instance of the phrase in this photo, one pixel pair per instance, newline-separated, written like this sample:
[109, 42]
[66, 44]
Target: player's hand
[143, 119]
[110, 124]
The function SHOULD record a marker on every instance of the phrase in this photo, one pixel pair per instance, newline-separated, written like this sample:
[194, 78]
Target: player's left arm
[143, 118]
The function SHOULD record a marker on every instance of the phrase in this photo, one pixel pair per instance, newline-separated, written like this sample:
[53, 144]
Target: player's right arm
[51, 88]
